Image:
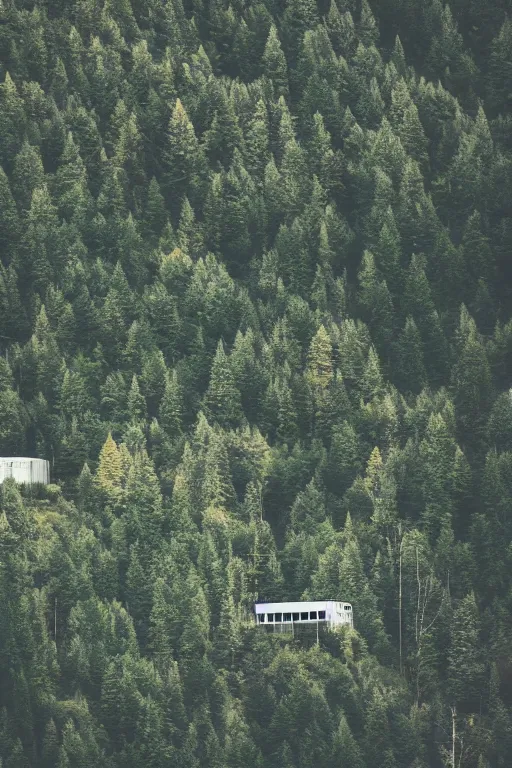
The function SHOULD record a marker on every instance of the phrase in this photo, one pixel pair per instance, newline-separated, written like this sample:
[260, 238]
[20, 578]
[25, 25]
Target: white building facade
[333, 613]
[25, 470]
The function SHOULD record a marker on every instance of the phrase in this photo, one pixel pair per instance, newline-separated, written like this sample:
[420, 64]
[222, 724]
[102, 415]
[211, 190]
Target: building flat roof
[21, 458]
[294, 605]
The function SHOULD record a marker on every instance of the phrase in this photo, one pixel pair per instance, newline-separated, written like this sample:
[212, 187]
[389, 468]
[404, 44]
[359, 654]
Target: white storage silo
[25, 470]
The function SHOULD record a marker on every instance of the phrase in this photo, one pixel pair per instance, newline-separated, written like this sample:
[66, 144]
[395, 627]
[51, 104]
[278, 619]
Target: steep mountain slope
[255, 308]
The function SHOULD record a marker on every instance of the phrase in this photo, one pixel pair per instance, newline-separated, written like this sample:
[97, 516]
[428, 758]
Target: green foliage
[465, 667]
[255, 311]
[222, 399]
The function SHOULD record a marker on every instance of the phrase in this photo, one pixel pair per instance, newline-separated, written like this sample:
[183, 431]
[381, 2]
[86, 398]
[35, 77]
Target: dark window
[261, 617]
[321, 614]
[347, 607]
[270, 617]
[279, 616]
[304, 616]
[296, 616]
[312, 615]
[287, 617]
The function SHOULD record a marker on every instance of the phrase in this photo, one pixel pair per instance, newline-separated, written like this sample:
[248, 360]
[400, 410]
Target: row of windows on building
[304, 616]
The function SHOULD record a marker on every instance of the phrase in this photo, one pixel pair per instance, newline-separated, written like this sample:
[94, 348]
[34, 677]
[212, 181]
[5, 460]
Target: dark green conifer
[411, 373]
[465, 667]
[367, 27]
[222, 399]
[10, 225]
[274, 63]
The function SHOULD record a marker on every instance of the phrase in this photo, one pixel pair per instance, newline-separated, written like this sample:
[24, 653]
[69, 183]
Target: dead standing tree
[424, 595]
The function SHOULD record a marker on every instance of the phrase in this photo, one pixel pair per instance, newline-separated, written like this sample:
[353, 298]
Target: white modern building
[286, 615]
[24, 470]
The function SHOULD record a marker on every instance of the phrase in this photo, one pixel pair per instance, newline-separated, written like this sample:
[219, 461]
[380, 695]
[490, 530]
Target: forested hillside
[255, 308]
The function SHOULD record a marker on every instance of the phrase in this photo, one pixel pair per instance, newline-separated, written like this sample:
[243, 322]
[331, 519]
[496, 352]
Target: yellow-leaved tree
[110, 467]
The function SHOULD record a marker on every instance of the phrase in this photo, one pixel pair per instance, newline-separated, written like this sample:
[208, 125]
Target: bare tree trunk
[454, 734]
[400, 602]
[426, 590]
[418, 580]
[399, 545]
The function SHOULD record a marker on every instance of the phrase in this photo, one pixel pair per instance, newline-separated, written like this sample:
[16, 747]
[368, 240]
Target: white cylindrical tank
[24, 470]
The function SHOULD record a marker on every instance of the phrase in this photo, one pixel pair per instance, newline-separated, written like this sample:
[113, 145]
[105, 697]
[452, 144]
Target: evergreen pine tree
[367, 27]
[300, 16]
[320, 368]
[465, 668]
[222, 399]
[13, 119]
[184, 157]
[28, 175]
[171, 406]
[10, 228]
[473, 386]
[411, 373]
[345, 750]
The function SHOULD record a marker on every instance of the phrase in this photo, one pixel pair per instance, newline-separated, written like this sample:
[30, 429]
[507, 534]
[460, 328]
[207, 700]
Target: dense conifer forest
[256, 311]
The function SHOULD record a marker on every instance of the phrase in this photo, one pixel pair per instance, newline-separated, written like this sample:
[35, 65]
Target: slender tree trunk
[418, 580]
[400, 603]
[454, 734]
